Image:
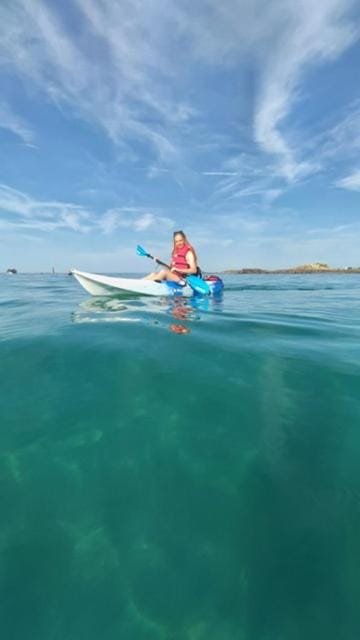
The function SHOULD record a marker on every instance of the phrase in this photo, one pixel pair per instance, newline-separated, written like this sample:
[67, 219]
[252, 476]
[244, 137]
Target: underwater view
[199, 483]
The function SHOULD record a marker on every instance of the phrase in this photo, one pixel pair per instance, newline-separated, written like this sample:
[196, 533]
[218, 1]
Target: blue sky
[237, 121]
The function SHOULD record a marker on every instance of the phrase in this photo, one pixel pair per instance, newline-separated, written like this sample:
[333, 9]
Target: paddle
[196, 283]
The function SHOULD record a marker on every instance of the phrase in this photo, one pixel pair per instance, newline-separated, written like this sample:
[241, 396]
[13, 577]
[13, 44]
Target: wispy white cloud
[337, 144]
[218, 173]
[132, 71]
[113, 74]
[155, 171]
[41, 215]
[144, 222]
[339, 228]
[281, 41]
[244, 223]
[20, 211]
[337, 138]
[344, 137]
[226, 229]
[132, 218]
[310, 35]
[244, 177]
[14, 123]
[262, 189]
[351, 182]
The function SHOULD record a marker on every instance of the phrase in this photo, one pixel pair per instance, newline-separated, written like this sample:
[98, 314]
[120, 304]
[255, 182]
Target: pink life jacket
[179, 258]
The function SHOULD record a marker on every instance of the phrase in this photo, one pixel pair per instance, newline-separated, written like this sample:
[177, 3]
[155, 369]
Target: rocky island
[313, 267]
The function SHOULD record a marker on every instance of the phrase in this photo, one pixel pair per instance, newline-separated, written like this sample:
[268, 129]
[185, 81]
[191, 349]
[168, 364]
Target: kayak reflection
[191, 310]
[151, 311]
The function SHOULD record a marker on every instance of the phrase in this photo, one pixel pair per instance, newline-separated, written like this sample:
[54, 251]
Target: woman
[183, 261]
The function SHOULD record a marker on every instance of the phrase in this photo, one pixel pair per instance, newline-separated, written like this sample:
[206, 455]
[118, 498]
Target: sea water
[195, 486]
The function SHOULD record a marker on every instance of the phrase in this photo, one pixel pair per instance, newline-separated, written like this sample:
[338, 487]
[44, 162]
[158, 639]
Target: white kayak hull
[99, 285]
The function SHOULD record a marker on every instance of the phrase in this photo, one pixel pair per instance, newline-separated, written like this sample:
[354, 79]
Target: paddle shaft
[163, 264]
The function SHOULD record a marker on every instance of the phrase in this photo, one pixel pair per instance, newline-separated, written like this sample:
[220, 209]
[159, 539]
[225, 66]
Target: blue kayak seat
[175, 285]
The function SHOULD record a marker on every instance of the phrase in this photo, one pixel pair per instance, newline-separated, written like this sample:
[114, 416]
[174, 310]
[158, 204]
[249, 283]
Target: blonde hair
[182, 234]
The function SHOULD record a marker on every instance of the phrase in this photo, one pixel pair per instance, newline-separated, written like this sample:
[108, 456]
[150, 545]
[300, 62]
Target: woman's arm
[190, 259]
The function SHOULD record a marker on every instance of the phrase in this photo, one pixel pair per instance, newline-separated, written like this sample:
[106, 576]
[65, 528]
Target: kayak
[99, 285]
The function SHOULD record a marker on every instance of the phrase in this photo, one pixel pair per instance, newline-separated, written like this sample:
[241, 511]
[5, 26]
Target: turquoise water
[204, 486]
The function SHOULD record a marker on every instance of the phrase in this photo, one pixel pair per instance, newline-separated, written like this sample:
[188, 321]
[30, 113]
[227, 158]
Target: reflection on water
[147, 310]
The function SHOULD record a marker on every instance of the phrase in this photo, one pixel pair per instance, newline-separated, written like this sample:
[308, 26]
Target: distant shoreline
[294, 271]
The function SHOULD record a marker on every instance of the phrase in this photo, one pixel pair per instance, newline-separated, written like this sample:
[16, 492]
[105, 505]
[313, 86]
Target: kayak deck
[99, 285]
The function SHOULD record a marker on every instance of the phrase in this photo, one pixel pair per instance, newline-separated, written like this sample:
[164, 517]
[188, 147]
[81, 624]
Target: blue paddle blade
[141, 252]
[198, 284]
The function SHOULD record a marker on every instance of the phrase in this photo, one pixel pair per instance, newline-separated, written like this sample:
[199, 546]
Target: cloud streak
[16, 125]
[312, 35]
[135, 219]
[111, 75]
[19, 211]
[351, 182]
[280, 42]
[41, 215]
[123, 72]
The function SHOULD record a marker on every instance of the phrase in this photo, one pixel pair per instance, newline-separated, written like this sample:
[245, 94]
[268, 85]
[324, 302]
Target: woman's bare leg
[150, 276]
[158, 275]
[164, 274]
